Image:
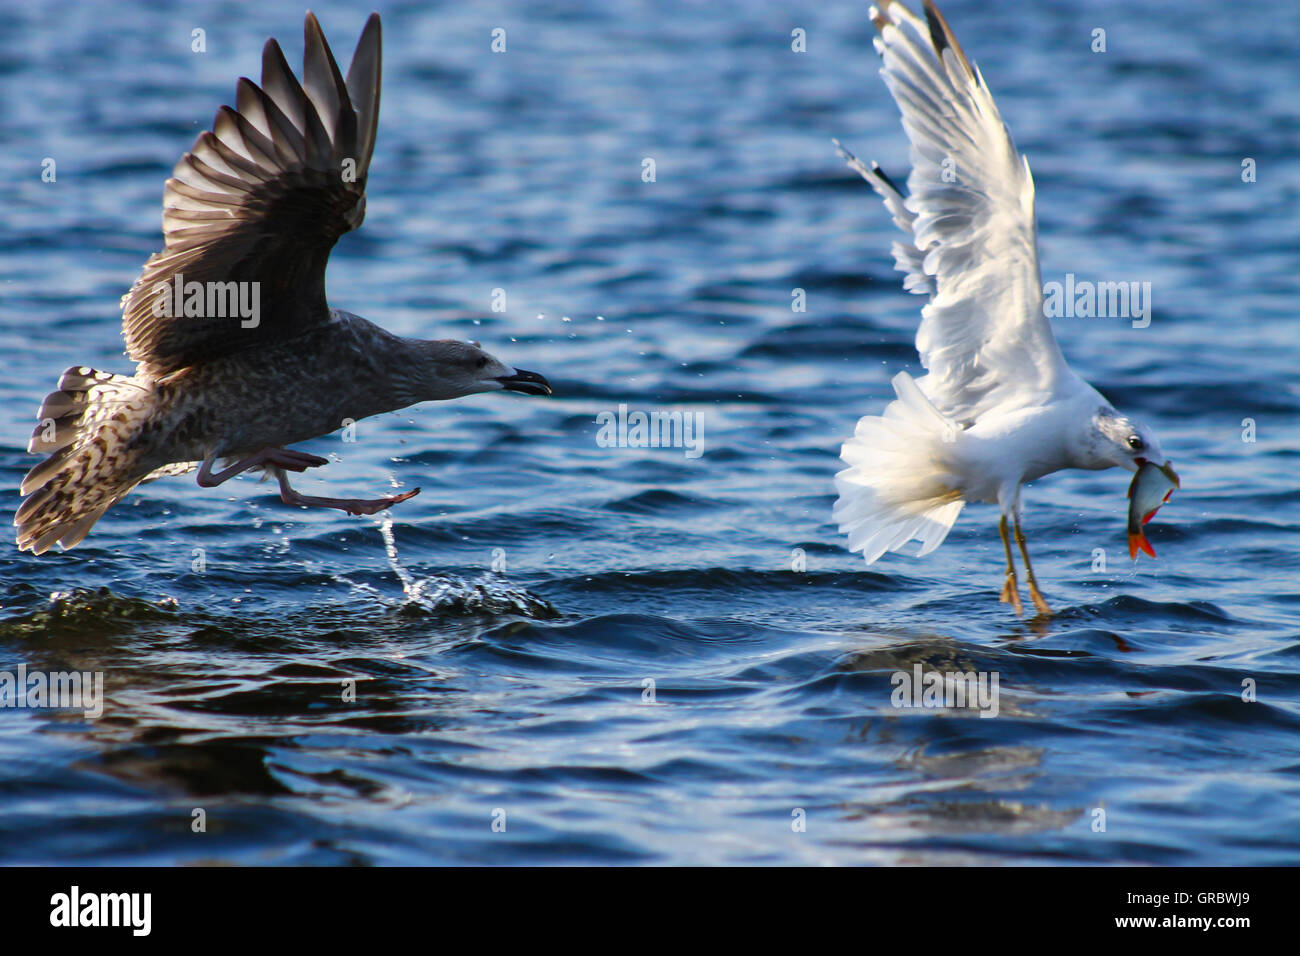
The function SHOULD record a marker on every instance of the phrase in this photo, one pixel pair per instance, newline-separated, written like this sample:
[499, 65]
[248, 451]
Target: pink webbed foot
[353, 506]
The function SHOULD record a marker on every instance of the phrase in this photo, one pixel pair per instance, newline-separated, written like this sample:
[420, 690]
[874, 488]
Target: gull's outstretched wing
[262, 198]
[972, 240]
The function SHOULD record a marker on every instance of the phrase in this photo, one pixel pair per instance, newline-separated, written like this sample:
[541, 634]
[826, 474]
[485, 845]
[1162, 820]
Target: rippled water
[501, 629]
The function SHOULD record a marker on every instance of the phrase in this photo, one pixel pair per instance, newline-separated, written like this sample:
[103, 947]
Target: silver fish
[1150, 488]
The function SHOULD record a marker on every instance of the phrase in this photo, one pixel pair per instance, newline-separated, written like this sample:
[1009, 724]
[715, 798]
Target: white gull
[999, 405]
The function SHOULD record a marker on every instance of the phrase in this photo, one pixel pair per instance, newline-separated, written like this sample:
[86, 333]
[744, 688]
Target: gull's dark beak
[530, 383]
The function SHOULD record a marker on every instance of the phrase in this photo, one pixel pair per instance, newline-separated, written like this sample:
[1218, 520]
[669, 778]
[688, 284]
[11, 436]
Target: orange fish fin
[1139, 541]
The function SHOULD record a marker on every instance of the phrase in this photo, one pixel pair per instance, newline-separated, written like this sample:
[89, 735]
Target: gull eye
[482, 362]
[1134, 442]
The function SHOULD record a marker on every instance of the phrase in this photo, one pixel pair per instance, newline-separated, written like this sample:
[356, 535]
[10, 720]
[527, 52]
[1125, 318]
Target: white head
[1115, 439]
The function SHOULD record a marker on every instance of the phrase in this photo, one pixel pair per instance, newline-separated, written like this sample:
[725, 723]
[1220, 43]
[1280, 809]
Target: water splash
[410, 587]
[488, 594]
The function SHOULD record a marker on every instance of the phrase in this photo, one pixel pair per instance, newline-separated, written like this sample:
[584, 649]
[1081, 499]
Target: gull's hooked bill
[530, 383]
[1150, 488]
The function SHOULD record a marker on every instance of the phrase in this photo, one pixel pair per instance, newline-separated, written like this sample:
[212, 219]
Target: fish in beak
[1151, 487]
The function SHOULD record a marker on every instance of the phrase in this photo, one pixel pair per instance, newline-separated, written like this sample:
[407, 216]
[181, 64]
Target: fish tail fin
[85, 427]
[1138, 541]
[897, 486]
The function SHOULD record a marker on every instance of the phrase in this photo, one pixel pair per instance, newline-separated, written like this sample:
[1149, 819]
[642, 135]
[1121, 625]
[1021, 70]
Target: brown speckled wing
[262, 198]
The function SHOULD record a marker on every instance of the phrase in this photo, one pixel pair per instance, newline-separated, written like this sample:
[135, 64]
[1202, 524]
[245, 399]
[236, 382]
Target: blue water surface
[569, 653]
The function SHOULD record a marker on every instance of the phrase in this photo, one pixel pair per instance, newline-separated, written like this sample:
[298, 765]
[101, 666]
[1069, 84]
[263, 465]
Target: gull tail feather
[86, 426]
[898, 486]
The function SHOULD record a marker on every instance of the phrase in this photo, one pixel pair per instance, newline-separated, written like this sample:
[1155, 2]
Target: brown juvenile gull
[249, 217]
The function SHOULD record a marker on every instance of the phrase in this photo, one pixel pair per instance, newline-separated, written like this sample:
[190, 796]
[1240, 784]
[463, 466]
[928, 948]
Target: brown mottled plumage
[258, 202]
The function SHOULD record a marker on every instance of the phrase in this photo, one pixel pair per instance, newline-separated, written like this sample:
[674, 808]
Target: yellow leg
[1010, 587]
[1034, 593]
